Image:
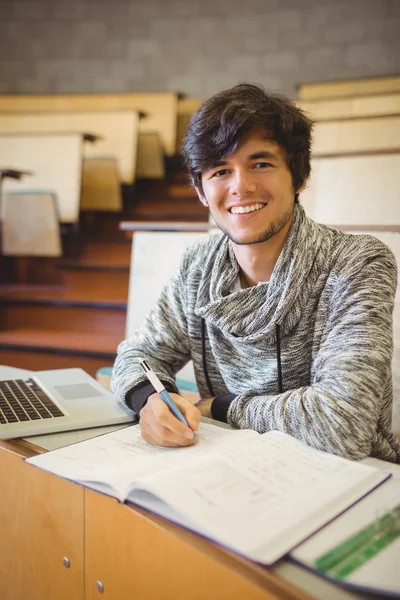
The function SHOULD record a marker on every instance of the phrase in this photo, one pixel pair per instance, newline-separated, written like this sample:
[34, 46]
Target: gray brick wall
[194, 46]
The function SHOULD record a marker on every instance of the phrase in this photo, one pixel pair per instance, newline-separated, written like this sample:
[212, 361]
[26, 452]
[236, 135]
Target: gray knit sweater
[325, 318]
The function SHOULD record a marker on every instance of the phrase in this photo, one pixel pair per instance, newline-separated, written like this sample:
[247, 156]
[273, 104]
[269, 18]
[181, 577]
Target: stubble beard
[272, 229]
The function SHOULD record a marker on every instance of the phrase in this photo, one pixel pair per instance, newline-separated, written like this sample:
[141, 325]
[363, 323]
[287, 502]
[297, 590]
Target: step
[39, 350]
[182, 190]
[99, 279]
[96, 253]
[94, 345]
[107, 221]
[83, 317]
[62, 294]
[40, 361]
[186, 209]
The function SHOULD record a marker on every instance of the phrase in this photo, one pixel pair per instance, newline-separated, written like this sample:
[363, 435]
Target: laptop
[55, 401]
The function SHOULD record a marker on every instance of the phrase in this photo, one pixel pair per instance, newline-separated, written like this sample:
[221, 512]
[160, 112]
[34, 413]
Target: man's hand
[159, 426]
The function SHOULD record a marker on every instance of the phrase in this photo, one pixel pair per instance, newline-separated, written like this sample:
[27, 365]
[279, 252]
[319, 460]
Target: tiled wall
[196, 46]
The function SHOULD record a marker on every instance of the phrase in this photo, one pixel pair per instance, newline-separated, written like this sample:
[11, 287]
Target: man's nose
[243, 184]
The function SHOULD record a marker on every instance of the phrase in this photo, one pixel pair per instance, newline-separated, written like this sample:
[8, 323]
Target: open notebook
[259, 495]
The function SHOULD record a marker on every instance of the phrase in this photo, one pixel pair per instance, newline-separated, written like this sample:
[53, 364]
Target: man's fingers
[159, 436]
[159, 426]
[164, 433]
[189, 411]
[164, 416]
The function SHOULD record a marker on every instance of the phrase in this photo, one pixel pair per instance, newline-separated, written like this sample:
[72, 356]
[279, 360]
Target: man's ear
[201, 196]
[302, 187]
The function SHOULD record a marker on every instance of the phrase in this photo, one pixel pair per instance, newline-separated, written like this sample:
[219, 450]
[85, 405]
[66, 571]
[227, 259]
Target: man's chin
[241, 237]
[248, 240]
[245, 238]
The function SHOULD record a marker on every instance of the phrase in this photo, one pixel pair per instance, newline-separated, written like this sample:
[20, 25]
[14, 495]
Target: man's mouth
[241, 210]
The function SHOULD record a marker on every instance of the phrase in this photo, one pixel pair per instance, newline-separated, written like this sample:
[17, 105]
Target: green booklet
[361, 549]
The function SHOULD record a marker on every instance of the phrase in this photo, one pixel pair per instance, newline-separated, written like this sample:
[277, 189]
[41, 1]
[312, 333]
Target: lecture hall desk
[60, 541]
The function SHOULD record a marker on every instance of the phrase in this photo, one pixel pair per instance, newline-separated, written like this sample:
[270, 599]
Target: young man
[288, 323]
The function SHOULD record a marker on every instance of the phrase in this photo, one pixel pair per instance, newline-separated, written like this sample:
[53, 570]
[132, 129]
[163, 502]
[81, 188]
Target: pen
[160, 389]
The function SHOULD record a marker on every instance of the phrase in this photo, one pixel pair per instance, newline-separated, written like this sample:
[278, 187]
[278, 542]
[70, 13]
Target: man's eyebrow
[218, 163]
[264, 154]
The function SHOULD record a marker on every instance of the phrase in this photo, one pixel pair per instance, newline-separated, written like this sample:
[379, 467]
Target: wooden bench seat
[150, 164]
[56, 163]
[187, 107]
[101, 185]
[30, 225]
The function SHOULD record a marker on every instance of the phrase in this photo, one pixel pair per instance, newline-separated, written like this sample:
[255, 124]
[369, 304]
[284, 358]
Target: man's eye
[262, 165]
[220, 173]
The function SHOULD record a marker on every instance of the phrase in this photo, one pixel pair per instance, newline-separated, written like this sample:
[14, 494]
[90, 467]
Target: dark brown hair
[224, 119]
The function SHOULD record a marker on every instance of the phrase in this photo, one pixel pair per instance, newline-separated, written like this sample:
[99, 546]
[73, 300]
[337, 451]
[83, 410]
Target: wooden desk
[160, 108]
[348, 88]
[117, 132]
[131, 553]
[353, 107]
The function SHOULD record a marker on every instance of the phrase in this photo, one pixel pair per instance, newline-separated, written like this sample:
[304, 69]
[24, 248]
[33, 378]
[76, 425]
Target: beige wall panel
[41, 522]
[160, 108]
[345, 108]
[30, 225]
[377, 133]
[55, 160]
[355, 190]
[150, 163]
[118, 131]
[101, 187]
[351, 87]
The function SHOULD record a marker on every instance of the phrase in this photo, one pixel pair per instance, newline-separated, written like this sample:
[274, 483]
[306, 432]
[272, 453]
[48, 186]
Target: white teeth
[240, 210]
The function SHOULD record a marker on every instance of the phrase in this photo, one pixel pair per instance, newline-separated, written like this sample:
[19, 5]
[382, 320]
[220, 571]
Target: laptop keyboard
[24, 400]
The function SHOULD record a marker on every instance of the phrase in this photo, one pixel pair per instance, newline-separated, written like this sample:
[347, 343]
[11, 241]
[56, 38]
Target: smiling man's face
[250, 193]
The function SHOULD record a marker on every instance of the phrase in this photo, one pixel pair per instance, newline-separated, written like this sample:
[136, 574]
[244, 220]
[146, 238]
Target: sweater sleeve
[351, 371]
[162, 340]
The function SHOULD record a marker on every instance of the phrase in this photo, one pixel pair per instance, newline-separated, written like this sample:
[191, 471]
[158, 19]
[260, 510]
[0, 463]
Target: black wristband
[138, 397]
[220, 406]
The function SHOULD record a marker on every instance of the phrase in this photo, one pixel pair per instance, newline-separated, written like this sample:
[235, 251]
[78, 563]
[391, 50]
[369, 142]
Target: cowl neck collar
[253, 313]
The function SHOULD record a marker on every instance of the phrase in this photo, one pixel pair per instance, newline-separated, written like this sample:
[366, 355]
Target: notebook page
[111, 462]
[263, 497]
